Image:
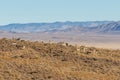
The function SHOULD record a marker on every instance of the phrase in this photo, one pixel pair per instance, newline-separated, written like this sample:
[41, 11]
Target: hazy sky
[25, 11]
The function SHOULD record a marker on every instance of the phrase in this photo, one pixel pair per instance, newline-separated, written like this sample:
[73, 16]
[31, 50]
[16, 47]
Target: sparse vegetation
[26, 60]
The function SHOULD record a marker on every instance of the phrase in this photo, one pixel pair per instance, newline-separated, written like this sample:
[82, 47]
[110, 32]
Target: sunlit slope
[25, 60]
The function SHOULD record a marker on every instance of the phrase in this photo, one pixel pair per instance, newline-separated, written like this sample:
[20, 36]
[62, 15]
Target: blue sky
[26, 11]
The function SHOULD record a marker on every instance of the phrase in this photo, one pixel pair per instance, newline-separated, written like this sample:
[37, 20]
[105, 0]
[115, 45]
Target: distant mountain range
[90, 26]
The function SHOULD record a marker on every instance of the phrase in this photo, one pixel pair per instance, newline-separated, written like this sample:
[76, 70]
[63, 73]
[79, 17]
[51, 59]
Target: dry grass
[25, 60]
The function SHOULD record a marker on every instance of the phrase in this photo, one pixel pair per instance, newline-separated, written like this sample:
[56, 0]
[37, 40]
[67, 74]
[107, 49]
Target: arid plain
[88, 39]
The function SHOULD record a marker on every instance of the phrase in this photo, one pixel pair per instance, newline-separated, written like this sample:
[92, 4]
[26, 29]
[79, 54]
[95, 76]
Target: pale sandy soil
[100, 45]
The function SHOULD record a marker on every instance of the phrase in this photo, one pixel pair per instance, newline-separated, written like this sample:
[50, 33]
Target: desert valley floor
[95, 40]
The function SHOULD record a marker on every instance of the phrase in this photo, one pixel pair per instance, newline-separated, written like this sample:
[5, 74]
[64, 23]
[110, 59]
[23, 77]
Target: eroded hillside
[26, 60]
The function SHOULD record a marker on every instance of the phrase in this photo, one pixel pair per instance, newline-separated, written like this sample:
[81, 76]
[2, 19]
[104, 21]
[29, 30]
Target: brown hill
[26, 60]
